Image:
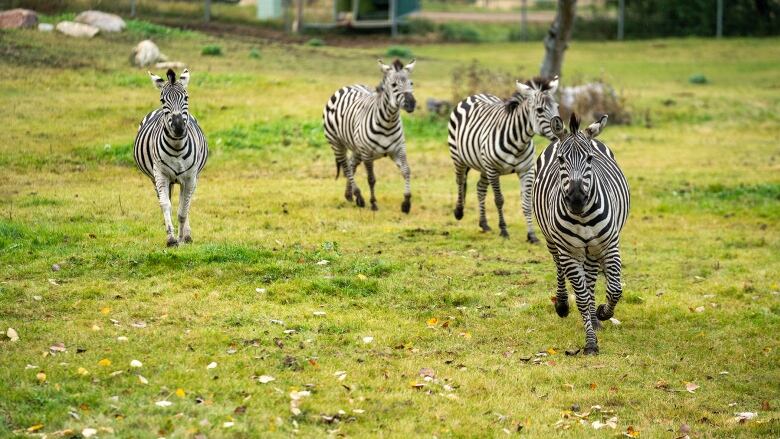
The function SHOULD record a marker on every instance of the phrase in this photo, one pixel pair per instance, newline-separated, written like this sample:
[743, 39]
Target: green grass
[703, 232]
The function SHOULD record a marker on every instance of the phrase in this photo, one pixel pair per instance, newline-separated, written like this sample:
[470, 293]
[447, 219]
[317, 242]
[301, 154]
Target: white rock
[163, 403]
[146, 53]
[88, 432]
[77, 30]
[136, 363]
[368, 339]
[102, 20]
[265, 379]
[11, 333]
[45, 27]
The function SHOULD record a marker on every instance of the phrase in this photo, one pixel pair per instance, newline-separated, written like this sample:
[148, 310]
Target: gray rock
[77, 30]
[102, 20]
[18, 19]
[146, 53]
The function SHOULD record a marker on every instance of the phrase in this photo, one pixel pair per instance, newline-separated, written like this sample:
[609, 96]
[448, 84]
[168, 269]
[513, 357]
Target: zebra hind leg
[612, 268]
[350, 170]
[493, 178]
[461, 174]
[371, 182]
[526, 187]
[406, 173]
[482, 186]
[576, 276]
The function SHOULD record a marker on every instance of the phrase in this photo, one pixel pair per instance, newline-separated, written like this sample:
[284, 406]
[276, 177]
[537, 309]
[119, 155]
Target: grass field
[701, 255]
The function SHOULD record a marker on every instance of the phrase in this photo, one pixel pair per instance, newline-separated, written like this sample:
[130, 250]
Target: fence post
[621, 18]
[719, 24]
[132, 8]
[207, 10]
[393, 21]
[524, 20]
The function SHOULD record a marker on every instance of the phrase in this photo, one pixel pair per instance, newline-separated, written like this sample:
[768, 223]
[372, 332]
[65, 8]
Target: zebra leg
[461, 172]
[185, 199]
[163, 186]
[526, 187]
[371, 182]
[591, 274]
[352, 165]
[482, 187]
[493, 178]
[612, 268]
[340, 153]
[561, 295]
[403, 166]
[576, 276]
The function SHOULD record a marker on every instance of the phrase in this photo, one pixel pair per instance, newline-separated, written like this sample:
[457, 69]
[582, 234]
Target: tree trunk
[557, 39]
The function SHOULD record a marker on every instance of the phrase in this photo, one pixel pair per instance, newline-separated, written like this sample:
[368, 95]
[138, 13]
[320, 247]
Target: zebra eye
[560, 159]
[394, 84]
[590, 157]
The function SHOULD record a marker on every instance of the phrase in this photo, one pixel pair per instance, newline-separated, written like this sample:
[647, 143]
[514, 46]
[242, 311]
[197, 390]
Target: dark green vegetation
[700, 253]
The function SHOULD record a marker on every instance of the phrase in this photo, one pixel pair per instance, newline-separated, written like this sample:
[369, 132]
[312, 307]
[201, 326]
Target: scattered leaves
[12, 335]
[368, 339]
[180, 392]
[163, 403]
[41, 376]
[691, 387]
[265, 379]
[631, 432]
[341, 375]
[136, 363]
[432, 321]
[105, 310]
[212, 365]
[105, 362]
[34, 428]
[745, 416]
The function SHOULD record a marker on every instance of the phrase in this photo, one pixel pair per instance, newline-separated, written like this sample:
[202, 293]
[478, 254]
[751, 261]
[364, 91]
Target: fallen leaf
[323, 262]
[615, 322]
[34, 428]
[41, 376]
[745, 416]
[699, 309]
[432, 321]
[240, 410]
[142, 379]
[38, 298]
[593, 386]
[105, 310]
[136, 363]
[631, 432]
[139, 324]
[661, 384]
[265, 379]
[362, 276]
[180, 393]
[83, 372]
[12, 334]
[212, 365]
[465, 335]
[551, 351]
[260, 290]
[163, 403]
[571, 352]
[368, 339]
[691, 387]
[427, 372]
[228, 424]
[319, 313]
[57, 347]
[341, 375]
[277, 322]
[104, 362]
[88, 432]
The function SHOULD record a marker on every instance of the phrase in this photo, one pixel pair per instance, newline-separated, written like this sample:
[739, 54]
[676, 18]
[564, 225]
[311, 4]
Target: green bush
[315, 42]
[417, 26]
[698, 78]
[459, 32]
[148, 30]
[211, 50]
[255, 53]
[399, 52]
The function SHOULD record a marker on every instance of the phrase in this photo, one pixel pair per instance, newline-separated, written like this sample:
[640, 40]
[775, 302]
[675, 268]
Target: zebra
[170, 148]
[494, 137]
[581, 202]
[368, 124]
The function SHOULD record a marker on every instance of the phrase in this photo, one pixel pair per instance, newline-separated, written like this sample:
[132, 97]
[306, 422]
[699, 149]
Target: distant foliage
[592, 99]
[665, 18]
[315, 42]
[255, 53]
[399, 51]
[211, 50]
[149, 30]
[698, 79]
[460, 32]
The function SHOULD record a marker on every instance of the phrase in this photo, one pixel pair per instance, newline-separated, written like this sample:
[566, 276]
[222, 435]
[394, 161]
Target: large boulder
[78, 30]
[18, 19]
[146, 53]
[102, 20]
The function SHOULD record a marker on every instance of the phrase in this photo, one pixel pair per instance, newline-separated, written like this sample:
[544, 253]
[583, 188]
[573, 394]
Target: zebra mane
[171, 76]
[398, 65]
[574, 124]
[537, 83]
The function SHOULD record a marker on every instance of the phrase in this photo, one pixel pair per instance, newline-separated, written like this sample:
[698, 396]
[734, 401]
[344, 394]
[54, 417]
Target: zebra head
[538, 97]
[173, 96]
[575, 154]
[398, 83]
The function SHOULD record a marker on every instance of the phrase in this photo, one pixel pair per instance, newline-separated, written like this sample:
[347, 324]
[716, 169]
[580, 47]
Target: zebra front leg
[493, 179]
[371, 182]
[591, 269]
[461, 172]
[576, 275]
[349, 171]
[482, 187]
[163, 186]
[403, 166]
[561, 295]
[526, 187]
[185, 199]
[612, 269]
[340, 153]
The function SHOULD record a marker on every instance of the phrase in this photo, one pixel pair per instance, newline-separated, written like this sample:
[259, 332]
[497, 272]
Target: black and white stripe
[495, 138]
[581, 201]
[170, 148]
[367, 123]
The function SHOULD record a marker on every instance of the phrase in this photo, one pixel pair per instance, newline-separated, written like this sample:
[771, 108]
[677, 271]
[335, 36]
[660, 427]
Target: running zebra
[170, 148]
[368, 124]
[495, 138]
[581, 202]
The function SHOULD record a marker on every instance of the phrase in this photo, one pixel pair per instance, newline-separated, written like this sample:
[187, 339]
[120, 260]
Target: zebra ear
[595, 128]
[156, 80]
[384, 67]
[554, 85]
[523, 89]
[184, 79]
[409, 67]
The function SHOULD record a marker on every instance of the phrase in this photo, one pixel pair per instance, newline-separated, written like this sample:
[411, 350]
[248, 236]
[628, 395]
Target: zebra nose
[409, 102]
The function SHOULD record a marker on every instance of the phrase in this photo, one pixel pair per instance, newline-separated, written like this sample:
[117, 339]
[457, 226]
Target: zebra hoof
[359, 200]
[602, 314]
[591, 349]
[187, 239]
[562, 308]
[459, 213]
[532, 238]
[348, 196]
[374, 207]
[406, 206]
[172, 242]
[484, 226]
[504, 234]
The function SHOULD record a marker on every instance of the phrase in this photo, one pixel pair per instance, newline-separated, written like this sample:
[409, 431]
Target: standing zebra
[170, 148]
[368, 124]
[581, 202]
[495, 138]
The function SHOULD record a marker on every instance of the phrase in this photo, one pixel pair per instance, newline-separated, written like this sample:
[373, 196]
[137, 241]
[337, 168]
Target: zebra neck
[387, 115]
[172, 142]
[520, 125]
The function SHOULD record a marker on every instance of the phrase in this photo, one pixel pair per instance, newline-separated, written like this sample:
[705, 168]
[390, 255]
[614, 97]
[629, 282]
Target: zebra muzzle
[409, 102]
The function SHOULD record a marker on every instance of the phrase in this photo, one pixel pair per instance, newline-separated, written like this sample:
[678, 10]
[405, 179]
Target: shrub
[459, 32]
[590, 100]
[399, 52]
[254, 53]
[315, 42]
[211, 50]
[473, 78]
[418, 26]
[698, 78]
